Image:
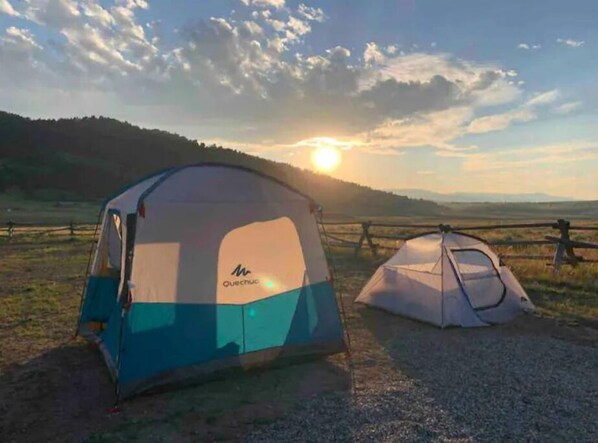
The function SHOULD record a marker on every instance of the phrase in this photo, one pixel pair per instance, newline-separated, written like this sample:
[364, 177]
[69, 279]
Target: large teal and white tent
[207, 267]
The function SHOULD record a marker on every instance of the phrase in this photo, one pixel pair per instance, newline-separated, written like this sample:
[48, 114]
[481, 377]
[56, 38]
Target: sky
[466, 95]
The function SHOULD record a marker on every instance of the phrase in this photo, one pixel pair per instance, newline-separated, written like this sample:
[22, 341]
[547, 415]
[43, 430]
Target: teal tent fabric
[162, 337]
[100, 299]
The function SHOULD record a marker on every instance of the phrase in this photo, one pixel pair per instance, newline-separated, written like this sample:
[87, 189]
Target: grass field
[55, 388]
[20, 210]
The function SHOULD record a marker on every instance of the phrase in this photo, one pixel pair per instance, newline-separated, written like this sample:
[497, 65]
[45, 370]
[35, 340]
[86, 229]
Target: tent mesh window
[481, 280]
[111, 247]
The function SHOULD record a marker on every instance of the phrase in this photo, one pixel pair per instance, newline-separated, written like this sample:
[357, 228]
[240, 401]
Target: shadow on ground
[66, 394]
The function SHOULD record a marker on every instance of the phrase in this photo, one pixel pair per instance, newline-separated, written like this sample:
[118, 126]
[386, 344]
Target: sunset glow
[326, 158]
[459, 103]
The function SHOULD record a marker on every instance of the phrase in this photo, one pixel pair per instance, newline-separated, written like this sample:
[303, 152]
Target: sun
[326, 158]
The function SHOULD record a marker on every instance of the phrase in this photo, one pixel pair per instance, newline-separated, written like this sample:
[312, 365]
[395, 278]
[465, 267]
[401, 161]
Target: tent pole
[87, 270]
[442, 257]
[349, 355]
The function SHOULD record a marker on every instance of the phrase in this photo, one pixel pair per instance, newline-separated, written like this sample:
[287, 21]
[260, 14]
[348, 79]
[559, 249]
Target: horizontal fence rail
[360, 235]
[367, 235]
[35, 230]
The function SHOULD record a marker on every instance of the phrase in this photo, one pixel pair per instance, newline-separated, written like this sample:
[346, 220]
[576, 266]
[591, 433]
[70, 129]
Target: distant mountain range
[479, 197]
[90, 158]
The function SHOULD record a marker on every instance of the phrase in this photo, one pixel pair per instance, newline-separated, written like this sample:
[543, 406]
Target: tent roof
[451, 233]
[128, 197]
[423, 252]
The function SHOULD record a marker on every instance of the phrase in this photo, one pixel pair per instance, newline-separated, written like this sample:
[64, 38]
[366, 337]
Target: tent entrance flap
[481, 280]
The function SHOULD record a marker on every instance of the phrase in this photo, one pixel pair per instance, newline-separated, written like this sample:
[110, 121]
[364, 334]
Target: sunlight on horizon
[326, 158]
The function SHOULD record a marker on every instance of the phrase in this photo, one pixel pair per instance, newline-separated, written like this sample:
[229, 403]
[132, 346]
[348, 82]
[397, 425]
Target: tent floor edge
[219, 369]
[92, 338]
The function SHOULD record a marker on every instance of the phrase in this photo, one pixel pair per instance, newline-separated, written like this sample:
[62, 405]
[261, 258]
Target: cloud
[498, 122]
[53, 13]
[567, 108]
[20, 37]
[522, 114]
[529, 46]
[544, 98]
[297, 26]
[570, 42]
[435, 129]
[310, 13]
[319, 142]
[373, 55]
[525, 156]
[244, 79]
[6, 8]
[97, 13]
[20, 69]
[276, 4]
[485, 84]
[392, 49]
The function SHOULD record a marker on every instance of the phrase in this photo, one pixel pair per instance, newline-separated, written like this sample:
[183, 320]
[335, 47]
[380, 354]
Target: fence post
[366, 235]
[564, 250]
[72, 230]
[11, 229]
[360, 241]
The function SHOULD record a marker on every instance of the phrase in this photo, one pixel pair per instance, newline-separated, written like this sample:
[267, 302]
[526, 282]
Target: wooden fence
[35, 230]
[371, 235]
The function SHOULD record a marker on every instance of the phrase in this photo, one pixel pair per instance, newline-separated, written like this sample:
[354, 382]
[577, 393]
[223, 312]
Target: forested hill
[90, 158]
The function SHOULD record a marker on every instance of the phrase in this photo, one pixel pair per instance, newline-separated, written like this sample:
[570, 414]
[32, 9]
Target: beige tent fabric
[259, 260]
[257, 240]
[246, 219]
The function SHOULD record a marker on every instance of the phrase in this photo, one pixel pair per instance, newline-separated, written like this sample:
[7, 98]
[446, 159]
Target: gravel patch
[460, 385]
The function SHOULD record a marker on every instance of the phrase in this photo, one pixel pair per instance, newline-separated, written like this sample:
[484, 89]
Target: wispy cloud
[570, 42]
[529, 46]
[525, 113]
[567, 108]
[6, 8]
[276, 4]
[497, 122]
[544, 98]
[320, 142]
[527, 156]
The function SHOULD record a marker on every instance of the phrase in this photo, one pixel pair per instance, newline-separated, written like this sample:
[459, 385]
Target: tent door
[478, 277]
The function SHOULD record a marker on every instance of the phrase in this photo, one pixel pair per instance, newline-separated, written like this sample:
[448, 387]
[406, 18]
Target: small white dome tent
[207, 267]
[447, 279]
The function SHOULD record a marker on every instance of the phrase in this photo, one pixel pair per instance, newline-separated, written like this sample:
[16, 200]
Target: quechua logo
[240, 271]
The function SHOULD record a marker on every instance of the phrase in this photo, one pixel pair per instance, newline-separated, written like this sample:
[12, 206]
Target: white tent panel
[219, 184]
[126, 202]
[515, 300]
[421, 289]
[456, 309]
[419, 254]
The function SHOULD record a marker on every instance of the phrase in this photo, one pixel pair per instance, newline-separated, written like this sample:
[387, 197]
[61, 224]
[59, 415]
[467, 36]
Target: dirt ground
[56, 388]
